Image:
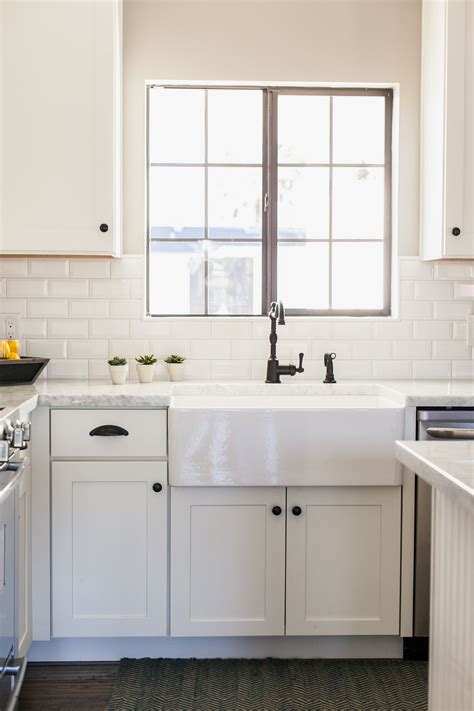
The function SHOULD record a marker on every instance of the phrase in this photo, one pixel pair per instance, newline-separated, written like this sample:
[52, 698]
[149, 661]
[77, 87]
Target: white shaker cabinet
[227, 561]
[109, 549]
[447, 130]
[343, 561]
[60, 94]
[24, 580]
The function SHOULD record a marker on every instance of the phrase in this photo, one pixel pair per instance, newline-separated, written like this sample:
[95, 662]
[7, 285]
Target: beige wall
[298, 41]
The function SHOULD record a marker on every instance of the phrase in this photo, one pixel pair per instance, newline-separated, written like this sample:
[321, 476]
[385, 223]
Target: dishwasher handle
[450, 432]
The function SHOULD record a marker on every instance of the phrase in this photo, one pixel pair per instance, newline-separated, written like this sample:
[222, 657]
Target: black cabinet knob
[456, 231]
[276, 510]
[104, 227]
[157, 487]
[296, 510]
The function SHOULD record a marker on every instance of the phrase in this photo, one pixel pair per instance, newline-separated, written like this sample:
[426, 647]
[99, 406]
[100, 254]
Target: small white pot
[175, 371]
[146, 372]
[118, 373]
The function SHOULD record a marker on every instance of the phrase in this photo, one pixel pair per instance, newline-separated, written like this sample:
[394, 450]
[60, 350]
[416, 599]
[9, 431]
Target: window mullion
[206, 206]
[273, 197]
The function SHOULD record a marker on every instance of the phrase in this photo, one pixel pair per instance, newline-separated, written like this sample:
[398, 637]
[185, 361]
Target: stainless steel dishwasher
[432, 424]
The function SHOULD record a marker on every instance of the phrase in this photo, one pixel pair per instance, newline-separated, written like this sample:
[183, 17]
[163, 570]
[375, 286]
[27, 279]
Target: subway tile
[259, 370]
[410, 310]
[460, 330]
[27, 287]
[197, 370]
[3, 288]
[98, 370]
[109, 288]
[33, 328]
[89, 308]
[136, 289]
[105, 328]
[47, 307]
[244, 350]
[407, 290]
[13, 306]
[3, 328]
[453, 270]
[154, 328]
[88, 348]
[127, 267]
[450, 350]
[431, 370]
[464, 290]
[451, 310]
[68, 369]
[440, 290]
[10, 267]
[415, 269]
[431, 330]
[210, 349]
[290, 350]
[128, 347]
[261, 329]
[68, 328]
[357, 330]
[46, 348]
[372, 350]
[68, 288]
[126, 308]
[89, 268]
[393, 330]
[353, 370]
[306, 329]
[163, 347]
[391, 369]
[40, 267]
[412, 350]
[182, 328]
[342, 349]
[231, 369]
[231, 329]
[463, 370]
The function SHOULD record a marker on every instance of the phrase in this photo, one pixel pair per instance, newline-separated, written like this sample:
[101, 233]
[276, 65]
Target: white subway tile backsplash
[27, 287]
[79, 312]
[68, 288]
[40, 267]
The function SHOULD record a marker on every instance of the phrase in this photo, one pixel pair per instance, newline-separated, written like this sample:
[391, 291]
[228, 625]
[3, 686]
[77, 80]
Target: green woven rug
[269, 685]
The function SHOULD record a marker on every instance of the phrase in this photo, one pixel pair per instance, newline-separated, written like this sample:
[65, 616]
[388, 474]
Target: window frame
[270, 195]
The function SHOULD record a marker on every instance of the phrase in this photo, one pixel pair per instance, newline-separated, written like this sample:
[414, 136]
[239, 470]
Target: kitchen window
[257, 193]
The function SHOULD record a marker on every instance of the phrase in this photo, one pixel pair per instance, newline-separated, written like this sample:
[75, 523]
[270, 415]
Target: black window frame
[270, 196]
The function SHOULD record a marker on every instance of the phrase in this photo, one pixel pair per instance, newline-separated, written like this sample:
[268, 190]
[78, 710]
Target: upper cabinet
[447, 130]
[60, 127]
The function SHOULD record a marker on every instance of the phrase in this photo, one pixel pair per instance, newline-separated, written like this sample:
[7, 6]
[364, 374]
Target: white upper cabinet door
[447, 130]
[61, 127]
[227, 561]
[109, 549]
[343, 561]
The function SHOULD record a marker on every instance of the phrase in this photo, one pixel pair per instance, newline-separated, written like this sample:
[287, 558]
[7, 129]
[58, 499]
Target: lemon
[5, 350]
[14, 346]
[13, 356]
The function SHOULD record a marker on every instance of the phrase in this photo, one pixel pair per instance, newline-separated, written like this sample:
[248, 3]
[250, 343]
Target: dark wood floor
[67, 687]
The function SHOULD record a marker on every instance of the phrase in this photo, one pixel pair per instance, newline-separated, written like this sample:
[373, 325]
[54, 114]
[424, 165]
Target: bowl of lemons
[16, 369]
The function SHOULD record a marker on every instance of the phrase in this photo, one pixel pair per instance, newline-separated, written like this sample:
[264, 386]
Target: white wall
[363, 41]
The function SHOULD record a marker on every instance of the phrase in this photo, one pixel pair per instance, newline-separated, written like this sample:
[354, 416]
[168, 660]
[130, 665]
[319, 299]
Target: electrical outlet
[12, 326]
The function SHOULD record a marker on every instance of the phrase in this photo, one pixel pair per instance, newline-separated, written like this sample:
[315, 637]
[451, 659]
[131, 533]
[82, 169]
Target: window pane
[358, 129]
[235, 203]
[357, 276]
[176, 279]
[303, 270]
[303, 203]
[234, 126]
[235, 278]
[303, 129]
[177, 202]
[358, 203]
[176, 131]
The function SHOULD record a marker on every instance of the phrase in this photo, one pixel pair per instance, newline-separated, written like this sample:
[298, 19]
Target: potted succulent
[175, 365]
[118, 369]
[146, 368]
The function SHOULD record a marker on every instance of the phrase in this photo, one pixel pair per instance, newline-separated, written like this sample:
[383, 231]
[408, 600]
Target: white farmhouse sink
[313, 437]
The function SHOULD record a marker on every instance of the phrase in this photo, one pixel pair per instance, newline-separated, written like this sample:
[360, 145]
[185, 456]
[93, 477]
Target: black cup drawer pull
[157, 487]
[108, 431]
[276, 510]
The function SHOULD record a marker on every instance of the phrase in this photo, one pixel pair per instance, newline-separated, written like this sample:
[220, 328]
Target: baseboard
[112, 649]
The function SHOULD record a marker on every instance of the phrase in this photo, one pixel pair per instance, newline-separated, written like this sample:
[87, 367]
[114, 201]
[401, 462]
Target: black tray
[21, 372]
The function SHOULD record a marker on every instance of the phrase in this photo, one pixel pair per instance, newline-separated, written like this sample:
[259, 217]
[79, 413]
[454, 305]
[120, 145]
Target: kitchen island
[449, 468]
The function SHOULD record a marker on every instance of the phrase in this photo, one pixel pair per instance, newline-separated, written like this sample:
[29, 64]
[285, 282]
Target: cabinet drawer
[71, 433]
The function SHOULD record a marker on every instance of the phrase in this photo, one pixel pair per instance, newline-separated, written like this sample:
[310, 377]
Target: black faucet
[274, 369]
[328, 359]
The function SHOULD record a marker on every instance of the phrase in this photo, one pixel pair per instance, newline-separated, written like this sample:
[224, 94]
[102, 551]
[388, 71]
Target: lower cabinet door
[227, 561]
[109, 549]
[343, 561]
[23, 543]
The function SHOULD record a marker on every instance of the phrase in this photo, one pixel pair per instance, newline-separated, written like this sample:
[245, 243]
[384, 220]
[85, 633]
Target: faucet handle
[300, 368]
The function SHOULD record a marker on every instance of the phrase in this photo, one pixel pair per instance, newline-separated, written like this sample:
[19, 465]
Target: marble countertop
[446, 465]
[63, 393]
